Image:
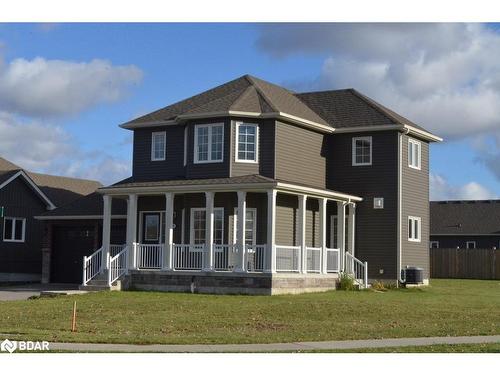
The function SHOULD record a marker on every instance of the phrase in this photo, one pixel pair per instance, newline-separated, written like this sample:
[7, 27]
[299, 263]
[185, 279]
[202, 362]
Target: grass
[446, 308]
[456, 348]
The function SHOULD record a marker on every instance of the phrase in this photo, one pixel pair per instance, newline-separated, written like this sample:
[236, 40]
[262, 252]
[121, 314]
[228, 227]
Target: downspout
[400, 210]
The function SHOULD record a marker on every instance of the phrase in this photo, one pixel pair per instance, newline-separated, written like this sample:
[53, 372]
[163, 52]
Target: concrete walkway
[285, 347]
[25, 291]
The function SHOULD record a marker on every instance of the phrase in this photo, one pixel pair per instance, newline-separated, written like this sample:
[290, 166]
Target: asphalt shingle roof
[465, 217]
[60, 190]
[90, 205]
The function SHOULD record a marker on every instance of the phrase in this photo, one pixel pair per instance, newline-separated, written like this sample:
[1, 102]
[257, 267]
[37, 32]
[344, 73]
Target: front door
[151, 232]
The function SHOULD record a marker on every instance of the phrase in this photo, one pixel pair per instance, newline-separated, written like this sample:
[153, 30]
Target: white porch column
[350, 227]
[322, 233]
[169, 231]
[240, 239]
[209, 231]
[341, 232]
[106, 229]
[271, 231]
[131, 229]
[302, 232]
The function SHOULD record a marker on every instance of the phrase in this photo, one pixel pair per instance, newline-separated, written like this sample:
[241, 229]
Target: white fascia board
[465, 234]
[28, 179]
[322, 193]
[399, 127]
[423, 134]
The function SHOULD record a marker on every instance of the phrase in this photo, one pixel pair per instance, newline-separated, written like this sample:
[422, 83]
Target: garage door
[70, 245]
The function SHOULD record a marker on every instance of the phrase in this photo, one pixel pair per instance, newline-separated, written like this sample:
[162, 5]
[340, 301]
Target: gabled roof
[59, 190]
[328, 111]
[244, 95]
[465, 217]
[21, 174]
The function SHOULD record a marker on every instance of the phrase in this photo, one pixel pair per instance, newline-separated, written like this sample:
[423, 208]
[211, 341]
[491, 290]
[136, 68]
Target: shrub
[346, 282]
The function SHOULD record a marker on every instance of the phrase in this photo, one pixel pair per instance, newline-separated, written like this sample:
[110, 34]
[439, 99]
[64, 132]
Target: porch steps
[100, 283]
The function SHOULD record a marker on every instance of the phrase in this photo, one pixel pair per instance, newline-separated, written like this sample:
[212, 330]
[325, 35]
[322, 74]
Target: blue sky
[154, 65]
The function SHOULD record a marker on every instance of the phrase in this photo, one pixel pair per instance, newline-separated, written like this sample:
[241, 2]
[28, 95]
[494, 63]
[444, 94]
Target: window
[362, 151]
[247, 137]
[14, 229]
[208, 143]
[414, 228]
[414, 154]
[151, 227]
[250, 226]
[198, 225]
[470, 244]
[434, 244]
[158, 146]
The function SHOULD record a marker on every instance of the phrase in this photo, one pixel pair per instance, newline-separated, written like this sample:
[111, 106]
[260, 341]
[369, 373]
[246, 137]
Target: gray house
[252, 188]
[24, 195]
[465, 224]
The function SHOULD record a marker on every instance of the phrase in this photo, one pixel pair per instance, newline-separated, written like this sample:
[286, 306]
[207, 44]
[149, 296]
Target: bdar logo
[8, 346]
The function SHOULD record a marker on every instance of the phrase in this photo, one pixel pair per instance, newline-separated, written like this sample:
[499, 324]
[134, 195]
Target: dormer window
[247, 137]
[158, 146]
[209, 143]
[362, 151]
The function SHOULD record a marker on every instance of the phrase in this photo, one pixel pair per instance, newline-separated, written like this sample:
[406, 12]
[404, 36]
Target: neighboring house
[252, 188]
[465, 224]
[24, 195]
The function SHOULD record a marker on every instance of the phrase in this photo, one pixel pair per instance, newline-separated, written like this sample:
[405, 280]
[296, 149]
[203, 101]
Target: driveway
[23, 292]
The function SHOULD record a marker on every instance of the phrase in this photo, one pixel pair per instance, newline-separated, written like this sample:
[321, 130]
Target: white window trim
[235, 225]
[354, 139]
[141, 219]
[153, 134]
[433, 242]
[236, 154]
[191, 221]
[14, 229]
[419, 237]
[195, 151]
[470, 242]
[419, 154]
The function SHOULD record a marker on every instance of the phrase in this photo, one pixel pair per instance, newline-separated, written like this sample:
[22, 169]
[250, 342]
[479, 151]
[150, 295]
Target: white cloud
[441, 189]
[47, 88]
[45, 148]
[445, 77]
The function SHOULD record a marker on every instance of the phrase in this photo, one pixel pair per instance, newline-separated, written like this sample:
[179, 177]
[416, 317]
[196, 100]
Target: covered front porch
[228, 230]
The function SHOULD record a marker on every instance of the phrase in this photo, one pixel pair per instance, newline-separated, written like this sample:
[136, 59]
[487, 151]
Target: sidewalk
[293, 346]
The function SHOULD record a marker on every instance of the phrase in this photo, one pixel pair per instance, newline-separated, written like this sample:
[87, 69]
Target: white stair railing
[92, 266]
[357, 269]
[118, 266]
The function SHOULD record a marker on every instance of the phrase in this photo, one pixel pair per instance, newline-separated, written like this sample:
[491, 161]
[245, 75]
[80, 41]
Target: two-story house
[252, 188]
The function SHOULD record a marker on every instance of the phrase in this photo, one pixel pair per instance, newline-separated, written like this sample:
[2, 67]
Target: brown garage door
[70, 245]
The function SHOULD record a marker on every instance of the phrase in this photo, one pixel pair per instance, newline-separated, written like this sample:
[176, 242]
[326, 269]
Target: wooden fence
[465, 263]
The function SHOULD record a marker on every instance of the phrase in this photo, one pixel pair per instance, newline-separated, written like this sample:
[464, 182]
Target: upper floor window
[470, 244]
[14, 229]
[362, 151]
[434, 244]
[158, 146]
[414, 228]
[208, 143]
[414, 153]
[247, 136]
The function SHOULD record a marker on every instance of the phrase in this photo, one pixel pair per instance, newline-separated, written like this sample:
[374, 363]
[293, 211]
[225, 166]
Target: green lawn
[447, 307]
[457, 348]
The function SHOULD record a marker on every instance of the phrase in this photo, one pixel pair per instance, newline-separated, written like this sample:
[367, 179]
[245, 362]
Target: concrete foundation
[228, 283]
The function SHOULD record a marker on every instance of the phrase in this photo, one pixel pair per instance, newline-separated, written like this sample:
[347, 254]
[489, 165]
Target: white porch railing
[313, 255]
[115, 249]
[92, 266]
[188, 257]
[225, 257]
[256, 257]
[148, 256]
[287, 258]
[357, 269]
[332, 260]
[118, 266]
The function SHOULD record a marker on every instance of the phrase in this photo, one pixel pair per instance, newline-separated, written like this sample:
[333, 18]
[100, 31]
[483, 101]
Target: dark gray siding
[376, 230]
[265, 165]
[415, 202]
[454, 241]
[300, 155]
[144, 169]
[20, 201]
